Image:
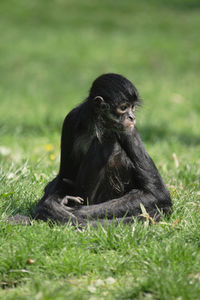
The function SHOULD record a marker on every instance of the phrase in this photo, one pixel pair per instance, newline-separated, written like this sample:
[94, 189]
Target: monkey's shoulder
[82, 143]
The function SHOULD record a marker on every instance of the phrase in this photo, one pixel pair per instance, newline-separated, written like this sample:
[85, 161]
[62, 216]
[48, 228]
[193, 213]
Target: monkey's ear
[98, 100]
[100, 103]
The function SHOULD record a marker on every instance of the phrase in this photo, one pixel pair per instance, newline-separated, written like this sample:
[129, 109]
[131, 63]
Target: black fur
[103, 164]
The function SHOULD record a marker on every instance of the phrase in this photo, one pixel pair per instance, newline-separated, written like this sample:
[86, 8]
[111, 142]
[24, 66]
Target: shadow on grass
[182, 4]
[154, 133]
[176, 4]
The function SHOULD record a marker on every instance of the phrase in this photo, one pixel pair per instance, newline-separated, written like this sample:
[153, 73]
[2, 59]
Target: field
[51, 51]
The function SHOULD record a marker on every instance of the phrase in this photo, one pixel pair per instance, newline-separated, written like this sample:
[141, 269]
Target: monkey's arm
[148, 178]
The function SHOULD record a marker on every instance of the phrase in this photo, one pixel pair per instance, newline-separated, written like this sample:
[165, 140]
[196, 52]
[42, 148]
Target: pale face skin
[126, 111]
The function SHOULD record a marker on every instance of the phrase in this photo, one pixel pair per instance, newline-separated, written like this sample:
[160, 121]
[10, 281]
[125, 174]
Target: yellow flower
[48, 147]
[52, 157]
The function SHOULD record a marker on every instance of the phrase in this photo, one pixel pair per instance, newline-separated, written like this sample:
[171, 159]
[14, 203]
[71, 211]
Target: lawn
[51, 51]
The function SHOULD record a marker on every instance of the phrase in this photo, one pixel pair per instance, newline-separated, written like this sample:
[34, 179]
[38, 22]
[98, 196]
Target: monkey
[105, 172]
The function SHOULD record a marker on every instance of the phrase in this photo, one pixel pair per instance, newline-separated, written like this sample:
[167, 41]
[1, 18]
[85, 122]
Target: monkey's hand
[67, 199]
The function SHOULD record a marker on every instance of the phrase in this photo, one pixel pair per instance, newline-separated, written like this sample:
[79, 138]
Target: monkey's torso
[112, 170]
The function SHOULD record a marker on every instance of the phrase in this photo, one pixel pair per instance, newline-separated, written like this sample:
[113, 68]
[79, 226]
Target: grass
[51, 51]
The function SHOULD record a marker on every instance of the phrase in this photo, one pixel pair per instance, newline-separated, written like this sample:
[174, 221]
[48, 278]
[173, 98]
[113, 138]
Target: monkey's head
[114, 99]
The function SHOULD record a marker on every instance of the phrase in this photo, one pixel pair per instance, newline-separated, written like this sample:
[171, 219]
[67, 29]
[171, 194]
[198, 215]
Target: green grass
[51, 51]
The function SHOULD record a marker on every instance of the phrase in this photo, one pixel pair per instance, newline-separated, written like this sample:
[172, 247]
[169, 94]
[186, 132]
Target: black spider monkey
[105, 172]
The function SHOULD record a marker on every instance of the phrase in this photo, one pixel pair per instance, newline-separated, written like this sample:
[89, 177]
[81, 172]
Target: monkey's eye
[123, 107]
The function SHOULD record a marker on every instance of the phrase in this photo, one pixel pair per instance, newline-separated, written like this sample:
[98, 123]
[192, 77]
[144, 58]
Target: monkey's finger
[80, 200]
[75, 199]
[65, 202]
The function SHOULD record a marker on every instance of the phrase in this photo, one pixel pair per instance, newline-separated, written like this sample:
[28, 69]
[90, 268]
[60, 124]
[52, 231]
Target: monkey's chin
[129, 128]
[129, 125]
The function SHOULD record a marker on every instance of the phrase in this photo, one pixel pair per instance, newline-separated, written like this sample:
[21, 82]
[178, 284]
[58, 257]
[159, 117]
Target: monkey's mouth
[128, 125]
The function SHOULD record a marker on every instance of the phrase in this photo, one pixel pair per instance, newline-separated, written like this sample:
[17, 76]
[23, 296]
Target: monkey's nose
[131, 118]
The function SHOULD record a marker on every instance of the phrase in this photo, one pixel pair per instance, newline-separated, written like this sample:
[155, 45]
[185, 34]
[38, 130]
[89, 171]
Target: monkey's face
[122, 117]
[116, 118]
[126, 115]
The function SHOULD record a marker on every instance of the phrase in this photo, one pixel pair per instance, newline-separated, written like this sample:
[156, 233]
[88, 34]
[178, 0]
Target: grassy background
[51, 51]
